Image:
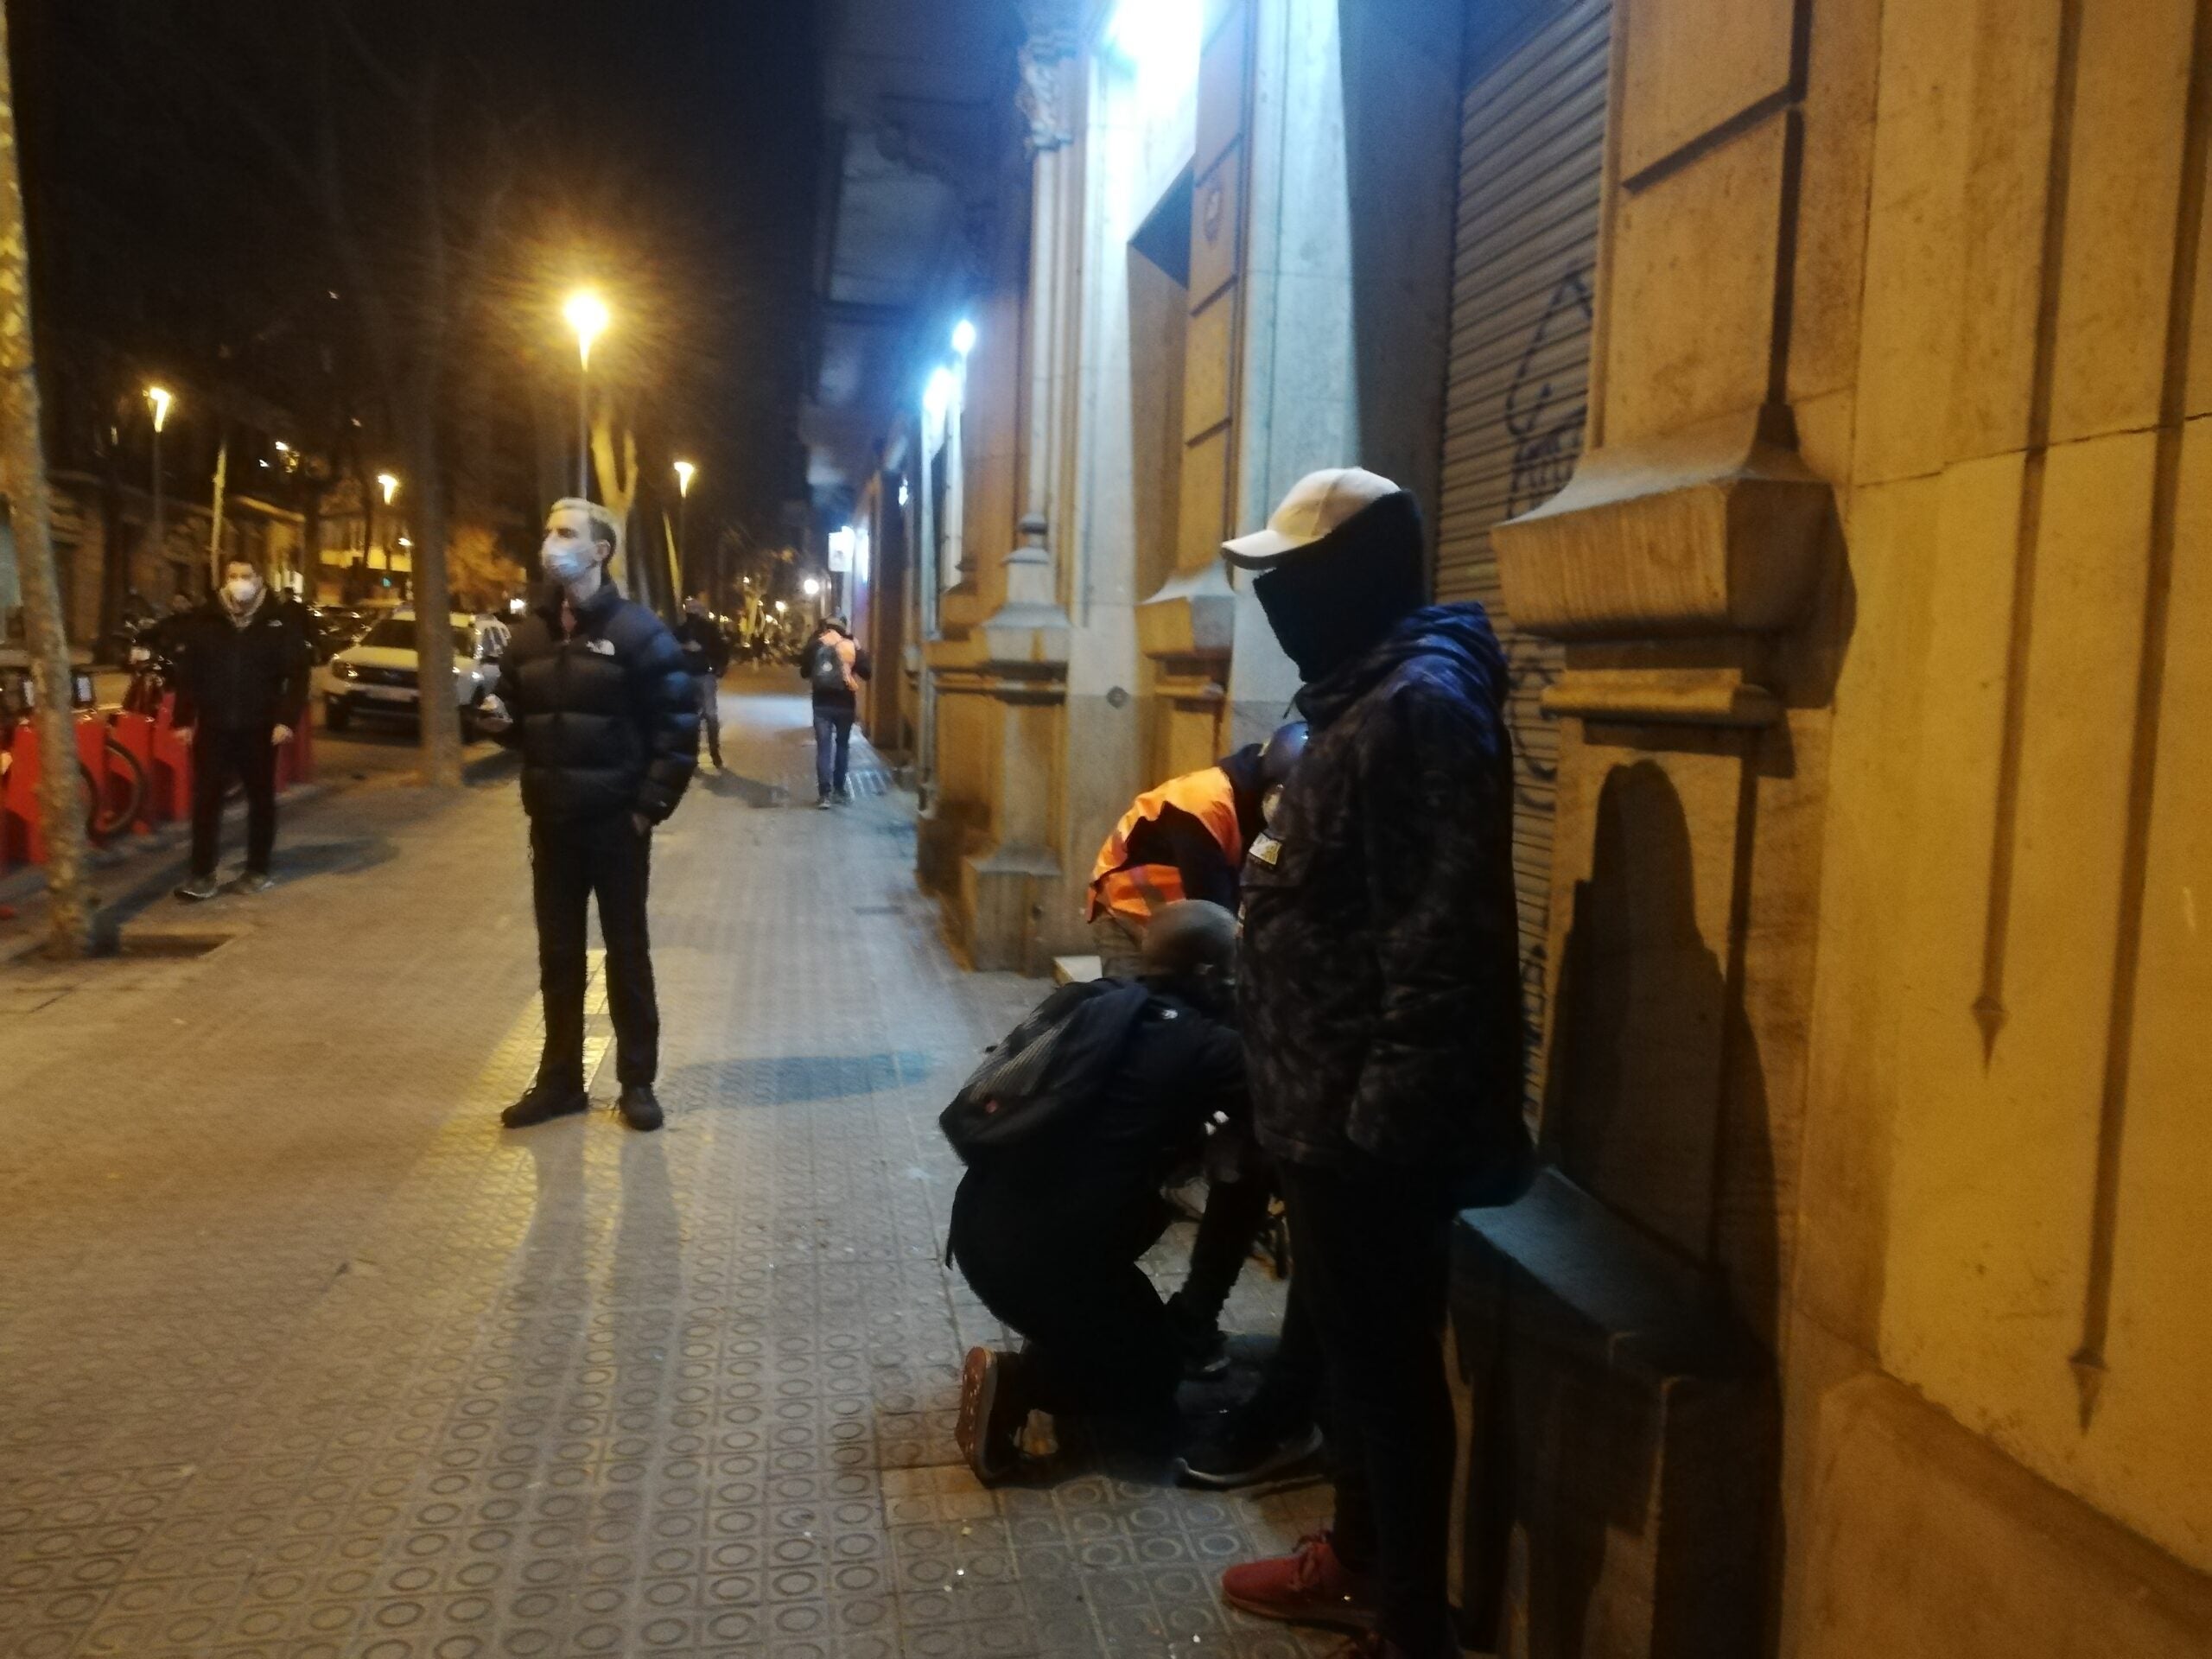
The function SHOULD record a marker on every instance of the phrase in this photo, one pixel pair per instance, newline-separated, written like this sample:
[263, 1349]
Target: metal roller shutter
[1531, 135]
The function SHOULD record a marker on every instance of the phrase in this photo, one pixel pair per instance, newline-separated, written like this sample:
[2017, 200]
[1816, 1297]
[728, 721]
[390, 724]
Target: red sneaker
[991, 1412]
[1308, 1586]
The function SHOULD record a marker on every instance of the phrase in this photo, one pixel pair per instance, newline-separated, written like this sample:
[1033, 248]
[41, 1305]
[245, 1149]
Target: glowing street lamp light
[937, 397]
[587, 314]
[683, 471]
[158, 400]
[811, 586]
[389, 485]
[963, 336]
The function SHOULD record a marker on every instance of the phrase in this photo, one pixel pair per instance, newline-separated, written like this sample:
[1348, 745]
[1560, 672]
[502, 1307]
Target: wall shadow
[1616, 1323]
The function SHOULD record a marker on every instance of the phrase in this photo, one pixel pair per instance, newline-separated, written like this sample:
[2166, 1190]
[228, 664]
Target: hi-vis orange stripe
[1135, 891]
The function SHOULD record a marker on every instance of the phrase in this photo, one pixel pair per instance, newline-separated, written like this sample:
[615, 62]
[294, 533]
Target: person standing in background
[241, 670]
[706, 659]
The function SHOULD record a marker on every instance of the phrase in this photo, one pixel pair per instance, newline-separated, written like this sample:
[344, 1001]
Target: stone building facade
[1817, 392]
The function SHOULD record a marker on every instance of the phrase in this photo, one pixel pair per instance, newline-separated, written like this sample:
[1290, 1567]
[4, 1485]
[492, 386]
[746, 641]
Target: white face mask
[242, 590]
[567, 563]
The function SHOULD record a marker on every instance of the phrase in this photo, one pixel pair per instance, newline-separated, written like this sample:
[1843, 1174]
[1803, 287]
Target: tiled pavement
[301, 1354]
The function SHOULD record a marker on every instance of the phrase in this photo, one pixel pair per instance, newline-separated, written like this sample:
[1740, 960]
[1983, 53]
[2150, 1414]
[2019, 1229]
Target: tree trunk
[433, 606]
[22, 474]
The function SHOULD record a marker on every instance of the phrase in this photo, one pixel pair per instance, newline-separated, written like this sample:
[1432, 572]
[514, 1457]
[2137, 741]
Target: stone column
[1022, 668]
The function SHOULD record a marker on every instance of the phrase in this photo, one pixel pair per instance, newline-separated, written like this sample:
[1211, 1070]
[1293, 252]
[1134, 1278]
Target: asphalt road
[373, 749]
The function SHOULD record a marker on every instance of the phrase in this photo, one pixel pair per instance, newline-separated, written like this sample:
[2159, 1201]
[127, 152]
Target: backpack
[828, 670]
[1047, 1071]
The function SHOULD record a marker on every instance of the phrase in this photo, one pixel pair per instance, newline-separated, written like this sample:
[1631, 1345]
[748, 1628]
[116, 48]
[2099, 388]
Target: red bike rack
[134, 734]
[23, 840]
[168, 780]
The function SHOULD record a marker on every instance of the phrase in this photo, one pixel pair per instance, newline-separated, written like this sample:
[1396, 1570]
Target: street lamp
[810, 586]
[683, 471]
[389, 485]
[587, 314]
[158, 400]
[963, 336]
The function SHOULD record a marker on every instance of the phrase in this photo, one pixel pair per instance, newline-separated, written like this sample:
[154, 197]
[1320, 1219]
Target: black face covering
[1344, 593]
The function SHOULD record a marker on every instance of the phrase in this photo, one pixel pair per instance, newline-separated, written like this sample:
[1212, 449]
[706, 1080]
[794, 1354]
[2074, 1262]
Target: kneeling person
[1049, 1231]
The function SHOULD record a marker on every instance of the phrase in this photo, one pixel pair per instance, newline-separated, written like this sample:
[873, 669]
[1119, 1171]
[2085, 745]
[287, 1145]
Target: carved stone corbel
[1711, 534]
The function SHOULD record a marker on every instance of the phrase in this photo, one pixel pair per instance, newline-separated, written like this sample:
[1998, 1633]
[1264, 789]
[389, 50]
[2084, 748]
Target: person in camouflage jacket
[1379, 995]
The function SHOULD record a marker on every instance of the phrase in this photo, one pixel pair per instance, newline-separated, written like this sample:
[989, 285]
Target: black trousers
[248, 755]
[1058, 1263]
[569, 862]
[1371, 1273]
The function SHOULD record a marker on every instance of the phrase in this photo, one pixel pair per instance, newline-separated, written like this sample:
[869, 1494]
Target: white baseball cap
[1317, 503]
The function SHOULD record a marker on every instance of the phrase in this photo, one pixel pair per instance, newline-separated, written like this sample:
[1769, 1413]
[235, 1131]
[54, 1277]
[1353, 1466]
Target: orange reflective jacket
[1133, 890]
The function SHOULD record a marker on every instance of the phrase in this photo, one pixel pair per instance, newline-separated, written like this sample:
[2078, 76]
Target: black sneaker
[1246, 1448]
[844, 796]
[639, 1109]
[543, 1102]
[197, 889]
[1204, 1349]
[252, 882]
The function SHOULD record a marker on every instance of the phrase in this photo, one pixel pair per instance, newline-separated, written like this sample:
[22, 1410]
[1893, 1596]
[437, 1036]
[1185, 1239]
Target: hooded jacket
[1378, 982]
[607, 719]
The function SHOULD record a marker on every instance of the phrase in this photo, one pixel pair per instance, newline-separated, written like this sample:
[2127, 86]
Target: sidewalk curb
[18, 887]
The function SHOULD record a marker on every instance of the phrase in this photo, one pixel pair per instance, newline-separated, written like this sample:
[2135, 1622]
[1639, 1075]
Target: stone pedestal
[1623, 1459]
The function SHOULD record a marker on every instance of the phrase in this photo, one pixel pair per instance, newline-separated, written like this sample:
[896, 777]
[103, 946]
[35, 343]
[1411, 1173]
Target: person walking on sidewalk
[592, 689]
[834, 664]
[706, 659]
[1381, 1009]
[241, 682]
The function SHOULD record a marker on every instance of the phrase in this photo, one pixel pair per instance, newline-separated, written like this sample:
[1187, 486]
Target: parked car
[336, 627]
[377, 678]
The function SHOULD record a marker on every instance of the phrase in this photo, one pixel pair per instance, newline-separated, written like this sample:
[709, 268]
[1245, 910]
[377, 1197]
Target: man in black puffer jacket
[594, 692]
[1381, 1008]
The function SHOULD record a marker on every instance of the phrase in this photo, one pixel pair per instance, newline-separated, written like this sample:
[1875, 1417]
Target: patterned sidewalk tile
[305, 1356]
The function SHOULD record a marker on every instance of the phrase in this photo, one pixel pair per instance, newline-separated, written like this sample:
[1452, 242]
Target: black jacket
[843, 700]
[706, 650]
[606, 718]
[1180, 1064]
[1379, 983]
[231, 678]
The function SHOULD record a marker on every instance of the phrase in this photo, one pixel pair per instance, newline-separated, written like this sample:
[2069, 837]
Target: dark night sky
[669, 151]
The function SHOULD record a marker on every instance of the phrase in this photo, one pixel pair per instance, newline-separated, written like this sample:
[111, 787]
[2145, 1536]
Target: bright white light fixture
[389, 485]
[161, 400]
[937, 397]
[1159, 42]
[904, 494]
[683, 471]
[587, 314]
[963, 336]
[810, 586]
[781, 607]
